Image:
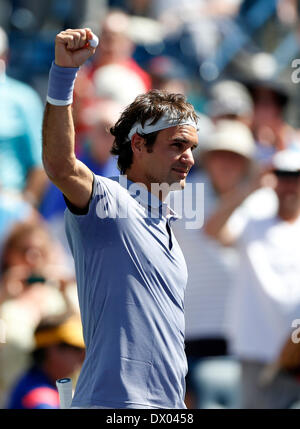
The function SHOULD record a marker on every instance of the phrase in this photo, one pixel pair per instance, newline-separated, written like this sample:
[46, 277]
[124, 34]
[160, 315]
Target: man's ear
[137, 144]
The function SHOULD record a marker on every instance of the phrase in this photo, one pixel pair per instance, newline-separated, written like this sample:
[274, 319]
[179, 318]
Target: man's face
[226, 169]
[266, 107]
[288, 192]
[31, 250]
[171, 156]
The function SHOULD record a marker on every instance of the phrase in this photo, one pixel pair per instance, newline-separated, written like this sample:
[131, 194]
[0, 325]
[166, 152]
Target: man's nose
[187, 158]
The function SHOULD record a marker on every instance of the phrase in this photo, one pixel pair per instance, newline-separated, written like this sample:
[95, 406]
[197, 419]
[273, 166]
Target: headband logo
[164, 122]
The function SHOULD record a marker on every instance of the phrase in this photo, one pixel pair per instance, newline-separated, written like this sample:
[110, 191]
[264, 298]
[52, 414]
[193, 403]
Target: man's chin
[178, 186]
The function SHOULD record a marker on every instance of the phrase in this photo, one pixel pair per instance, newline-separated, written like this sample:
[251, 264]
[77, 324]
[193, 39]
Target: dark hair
[154, 104]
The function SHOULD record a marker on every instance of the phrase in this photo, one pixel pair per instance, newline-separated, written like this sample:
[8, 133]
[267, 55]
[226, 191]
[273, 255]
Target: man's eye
[177, 145]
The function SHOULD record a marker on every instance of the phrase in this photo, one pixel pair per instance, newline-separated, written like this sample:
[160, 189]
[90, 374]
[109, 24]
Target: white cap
[118, 83]
[287, 160]
[232, 136]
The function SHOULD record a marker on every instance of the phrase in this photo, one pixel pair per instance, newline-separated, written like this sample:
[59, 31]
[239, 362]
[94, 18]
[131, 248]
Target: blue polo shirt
[21, 116]
[131, 277]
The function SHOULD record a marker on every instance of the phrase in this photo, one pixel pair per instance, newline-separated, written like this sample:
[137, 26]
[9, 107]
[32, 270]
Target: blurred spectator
[287, 363]
[168, 74]
[259, 104]
[58, 353]
[288, 11]
[132, 7]
[31, 25]
[289, 358]
[197, 27]
[267, 293]
[118, 83]
[13, 209]
[98, 141]
[230, 99]
[271, 131]
[113, 73]
[226, 158]
[116, 46]
[20, 135]
[34, 284]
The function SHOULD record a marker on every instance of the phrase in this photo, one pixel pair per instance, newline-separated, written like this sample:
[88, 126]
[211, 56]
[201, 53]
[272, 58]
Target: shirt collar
[149, 201]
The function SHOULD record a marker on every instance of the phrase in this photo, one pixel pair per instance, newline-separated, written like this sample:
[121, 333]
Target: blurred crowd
[232, 59]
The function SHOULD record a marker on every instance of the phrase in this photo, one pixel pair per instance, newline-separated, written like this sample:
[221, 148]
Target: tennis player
[130, 271]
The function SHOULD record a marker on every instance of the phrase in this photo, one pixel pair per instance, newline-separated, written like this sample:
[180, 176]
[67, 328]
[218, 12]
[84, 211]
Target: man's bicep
[78, 186]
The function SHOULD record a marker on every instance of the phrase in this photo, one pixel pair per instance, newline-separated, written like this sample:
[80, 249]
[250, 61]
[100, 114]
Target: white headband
[163, 123]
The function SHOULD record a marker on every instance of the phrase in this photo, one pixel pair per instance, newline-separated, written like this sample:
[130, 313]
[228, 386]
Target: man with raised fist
[130, 271]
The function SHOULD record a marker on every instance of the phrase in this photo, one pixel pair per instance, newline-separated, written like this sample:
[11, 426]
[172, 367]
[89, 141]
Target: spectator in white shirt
[267, 290]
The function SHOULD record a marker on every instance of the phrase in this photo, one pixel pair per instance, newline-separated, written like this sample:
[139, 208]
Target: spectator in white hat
[266, 296]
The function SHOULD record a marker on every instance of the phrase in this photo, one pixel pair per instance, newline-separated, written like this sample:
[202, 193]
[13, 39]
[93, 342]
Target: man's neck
[290, 217]
[160, 192]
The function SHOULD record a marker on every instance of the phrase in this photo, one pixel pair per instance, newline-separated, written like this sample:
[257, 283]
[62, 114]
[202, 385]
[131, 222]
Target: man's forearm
[58, 141]
[215, 226]
[72, 177]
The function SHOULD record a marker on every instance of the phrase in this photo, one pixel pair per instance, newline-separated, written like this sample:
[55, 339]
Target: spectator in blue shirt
[21, 113]
[58, 353]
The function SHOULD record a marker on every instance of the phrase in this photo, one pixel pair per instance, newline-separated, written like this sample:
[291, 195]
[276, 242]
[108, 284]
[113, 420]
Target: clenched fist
[72, 47]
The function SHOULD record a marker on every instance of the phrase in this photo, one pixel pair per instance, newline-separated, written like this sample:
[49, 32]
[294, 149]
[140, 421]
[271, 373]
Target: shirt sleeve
[102, 199]
[81, 211]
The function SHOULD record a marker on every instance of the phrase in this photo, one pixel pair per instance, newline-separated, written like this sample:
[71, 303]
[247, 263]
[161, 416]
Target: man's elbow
[56, 170]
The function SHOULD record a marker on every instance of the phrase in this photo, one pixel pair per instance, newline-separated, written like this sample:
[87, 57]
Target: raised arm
[70, 175]
[216, 225]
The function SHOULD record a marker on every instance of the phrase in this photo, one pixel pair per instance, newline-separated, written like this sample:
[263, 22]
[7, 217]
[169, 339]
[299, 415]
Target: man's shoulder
[110, 185]
[113, 181]
[108, 195]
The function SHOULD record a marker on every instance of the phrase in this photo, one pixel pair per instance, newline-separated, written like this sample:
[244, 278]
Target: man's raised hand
[72, 47]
